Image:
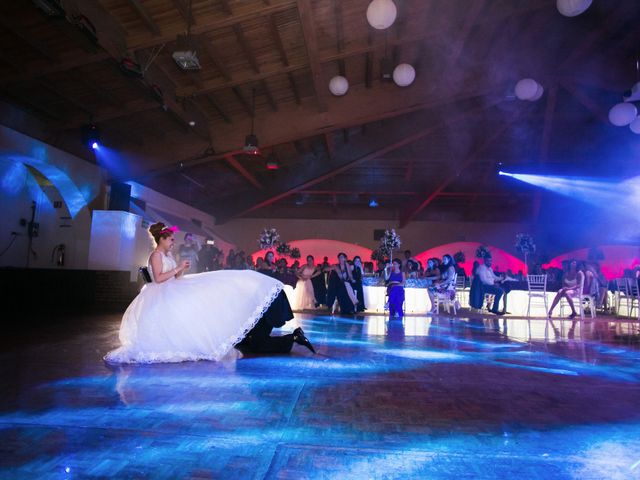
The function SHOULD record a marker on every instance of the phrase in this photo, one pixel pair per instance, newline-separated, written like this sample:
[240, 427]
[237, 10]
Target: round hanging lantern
[572, 8]
[381, 14]
[538, 94]
[526, 89]
[635, 126]
[623, 114]
[404, 75]
[338, 85]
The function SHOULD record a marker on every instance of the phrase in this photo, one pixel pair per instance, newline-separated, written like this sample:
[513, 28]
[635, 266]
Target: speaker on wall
[120, 196]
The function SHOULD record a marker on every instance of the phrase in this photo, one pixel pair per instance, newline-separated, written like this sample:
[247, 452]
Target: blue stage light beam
[591, 190]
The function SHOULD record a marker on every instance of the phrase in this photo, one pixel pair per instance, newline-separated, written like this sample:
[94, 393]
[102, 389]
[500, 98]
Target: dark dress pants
[497, 292]
[259, 339]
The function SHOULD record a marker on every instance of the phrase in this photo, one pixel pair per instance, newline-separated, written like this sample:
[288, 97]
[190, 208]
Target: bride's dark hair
[158, 231]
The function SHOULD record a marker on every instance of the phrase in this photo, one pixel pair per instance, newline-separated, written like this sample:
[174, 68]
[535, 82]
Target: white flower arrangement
[269, 238]
[524, 243]
[390, 241]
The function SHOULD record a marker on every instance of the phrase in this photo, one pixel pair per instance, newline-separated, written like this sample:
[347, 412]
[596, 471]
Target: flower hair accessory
[170, 230]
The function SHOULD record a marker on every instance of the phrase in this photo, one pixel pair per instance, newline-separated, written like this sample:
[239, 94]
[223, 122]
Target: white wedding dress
[195, 317]
[305, 297]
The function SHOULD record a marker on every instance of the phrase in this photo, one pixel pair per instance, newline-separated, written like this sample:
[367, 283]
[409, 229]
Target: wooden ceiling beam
[246, 48]
[346, 162]
[238, 167]
[294, 87]
[238, 94]
[457, 47]
[411, 212]
[115, 45]
[244, 13]
[42, 49]
[265, 89]
[68, 99]
[305, 13]
[146, 17]
[120, 111]
[226, 7]
[50, 68]
[277, 39]
[330, 57]
[184, 11]
[214, 103]
[587, 102]
[206, 43]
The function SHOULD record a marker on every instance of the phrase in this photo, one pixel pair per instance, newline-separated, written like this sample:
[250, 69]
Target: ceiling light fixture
[251, 141]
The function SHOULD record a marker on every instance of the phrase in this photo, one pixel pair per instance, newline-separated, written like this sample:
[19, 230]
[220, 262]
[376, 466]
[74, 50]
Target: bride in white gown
[190, 317]
[305, 297]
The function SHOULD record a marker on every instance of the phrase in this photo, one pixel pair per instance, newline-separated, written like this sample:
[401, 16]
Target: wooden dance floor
[465, 398]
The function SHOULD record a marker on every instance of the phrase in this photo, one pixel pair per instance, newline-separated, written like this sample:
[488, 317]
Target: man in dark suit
[259, 339]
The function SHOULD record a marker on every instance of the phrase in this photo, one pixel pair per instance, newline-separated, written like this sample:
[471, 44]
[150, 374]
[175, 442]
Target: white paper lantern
[338, 85]
[623, 114]
[635, 126]
[572, 8]
[381, 14]
[404, 75]
[538, 94]
[526, 89]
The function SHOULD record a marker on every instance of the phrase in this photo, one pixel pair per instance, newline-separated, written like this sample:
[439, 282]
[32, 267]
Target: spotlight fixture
[91, 135]
[192, 123]
[373, 203]
[251, 141]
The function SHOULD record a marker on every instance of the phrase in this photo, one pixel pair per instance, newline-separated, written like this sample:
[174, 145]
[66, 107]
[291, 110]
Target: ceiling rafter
[214, 103]
[294, 87]
[305, 13]
[277, 39]
[247, 108]
[238, 167]
[411, 212]
[207, 24]
[265, 89]
[145, 16]
[246, 48]
[348, 162]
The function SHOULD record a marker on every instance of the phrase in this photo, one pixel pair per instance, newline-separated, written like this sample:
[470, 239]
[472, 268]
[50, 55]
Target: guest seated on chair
[488, 279]
[573, 276]
[444, 283]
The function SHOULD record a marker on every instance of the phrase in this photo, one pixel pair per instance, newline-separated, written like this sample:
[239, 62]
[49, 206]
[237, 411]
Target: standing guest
[207, 257]
[489, 281]
[269, 265]
[259, 264]
[305, 298]
[445, 284]
[357, 273]
[395, 278]
[571, 280]
[339, 288]
[250, 264]
[318, 280]
[189, 251]
[231, 259]
[219, 261]
[406, 260]
[284, 273]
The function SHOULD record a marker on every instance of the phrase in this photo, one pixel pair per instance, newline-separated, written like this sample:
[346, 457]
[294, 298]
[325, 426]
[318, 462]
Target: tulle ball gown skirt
[197, 317]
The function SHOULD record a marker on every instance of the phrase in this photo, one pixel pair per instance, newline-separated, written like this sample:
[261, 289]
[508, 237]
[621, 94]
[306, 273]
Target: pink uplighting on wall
[320, 248]
[502, 260]
[617, 258]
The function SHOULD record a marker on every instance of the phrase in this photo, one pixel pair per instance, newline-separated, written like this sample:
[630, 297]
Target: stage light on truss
[91, 136]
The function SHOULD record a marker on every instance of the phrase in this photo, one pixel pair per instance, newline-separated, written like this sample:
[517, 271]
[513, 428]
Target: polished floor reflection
[421, 398]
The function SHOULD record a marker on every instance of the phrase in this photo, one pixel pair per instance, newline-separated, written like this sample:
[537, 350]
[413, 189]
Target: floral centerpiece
[525, 245]
[269, 239]
[389, 242]
[283, 249]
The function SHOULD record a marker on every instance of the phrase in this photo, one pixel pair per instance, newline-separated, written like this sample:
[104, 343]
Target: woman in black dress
[340, 288]
[357, 274]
